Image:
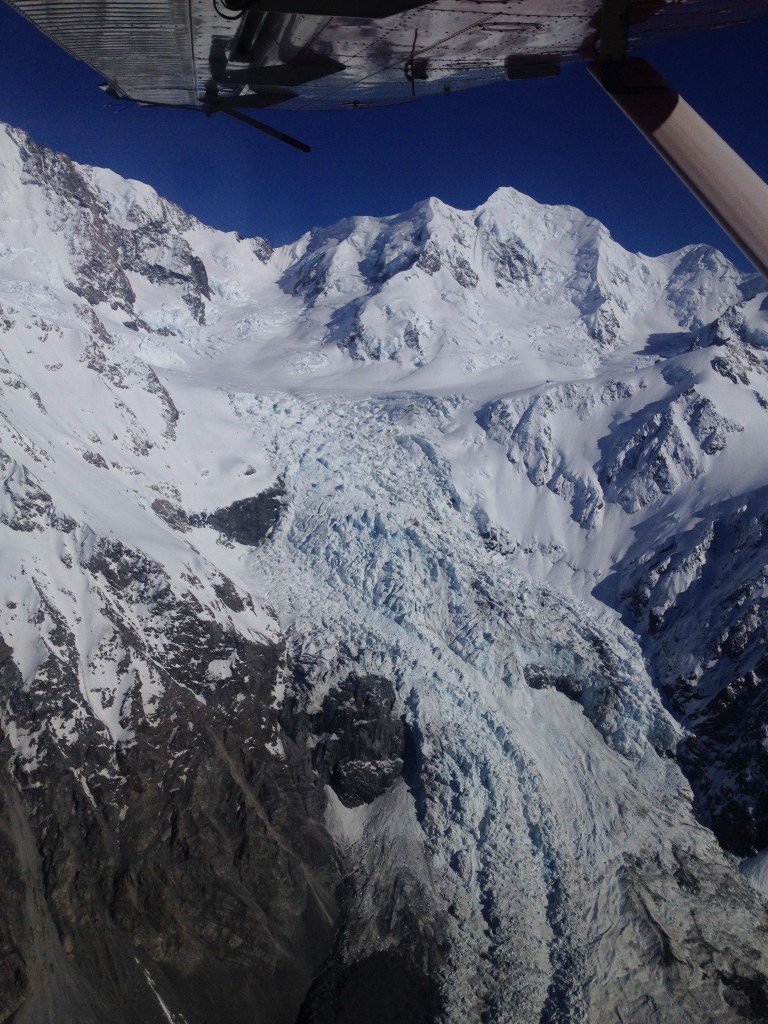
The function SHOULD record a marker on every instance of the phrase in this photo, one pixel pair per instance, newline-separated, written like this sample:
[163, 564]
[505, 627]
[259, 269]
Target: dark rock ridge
[188, 862]
[185, 862]
[212, 877]
[707, 586]
[361, 742]
[383, 988]
[388, 952]
[248, 521]
[540, 678]
[103, 252]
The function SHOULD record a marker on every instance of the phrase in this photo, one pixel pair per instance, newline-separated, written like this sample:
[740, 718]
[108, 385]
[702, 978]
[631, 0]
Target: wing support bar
[267, 129]
[725, 185]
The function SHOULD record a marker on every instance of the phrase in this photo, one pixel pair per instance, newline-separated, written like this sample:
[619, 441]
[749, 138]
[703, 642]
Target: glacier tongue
[541, 794]
[362, 601]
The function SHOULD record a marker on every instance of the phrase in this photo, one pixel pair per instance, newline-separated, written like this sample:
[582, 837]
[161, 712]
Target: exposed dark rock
[97, 358]
[14, 975]
[411, 337]
[248, 521]
[729, 732]
[102, 252]
[603, 326]
[384, 988]
[195, 305]
[747, 996]
[429, 259]
[213, 869]
[10, 379]
[6, 320]
[24, 504]
[308, 277]
[198, 275]
[172, 514]
[650, 457]
[225, 590]
[463, 273]
[357, 342]
[361, 744]
[90, 236]
[726, 368]
[707, 425]
[706, 586]
[206, 869]
[262, 249]
[512, 265]
[95, 459]
[540, 678]
[170, 412]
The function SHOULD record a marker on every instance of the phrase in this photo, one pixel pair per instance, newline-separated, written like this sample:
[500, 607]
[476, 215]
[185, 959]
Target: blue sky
[560, 140]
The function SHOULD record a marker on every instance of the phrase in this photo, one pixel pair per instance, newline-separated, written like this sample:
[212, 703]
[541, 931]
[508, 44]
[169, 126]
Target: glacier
[383, 617]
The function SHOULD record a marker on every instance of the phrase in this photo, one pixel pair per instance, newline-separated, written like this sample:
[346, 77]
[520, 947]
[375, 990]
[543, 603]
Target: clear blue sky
[560, 140]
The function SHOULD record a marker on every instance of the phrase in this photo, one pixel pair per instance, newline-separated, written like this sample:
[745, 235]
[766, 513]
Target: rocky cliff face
[382, 631]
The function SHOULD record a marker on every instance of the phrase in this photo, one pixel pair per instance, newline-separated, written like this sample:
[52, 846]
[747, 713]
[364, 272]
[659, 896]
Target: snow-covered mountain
[384, 617]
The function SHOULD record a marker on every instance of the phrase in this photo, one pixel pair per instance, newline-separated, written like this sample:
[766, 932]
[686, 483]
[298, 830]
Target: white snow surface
[475, 415]
[756, 870]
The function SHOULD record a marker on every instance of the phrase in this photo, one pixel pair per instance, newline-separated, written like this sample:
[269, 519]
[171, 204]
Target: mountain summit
[384, 617]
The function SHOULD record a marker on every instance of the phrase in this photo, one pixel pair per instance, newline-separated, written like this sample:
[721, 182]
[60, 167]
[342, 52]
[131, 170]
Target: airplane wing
[235, 57]
[320, 54]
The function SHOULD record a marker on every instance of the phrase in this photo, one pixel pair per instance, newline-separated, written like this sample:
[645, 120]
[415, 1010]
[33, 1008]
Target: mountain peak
[418, 289]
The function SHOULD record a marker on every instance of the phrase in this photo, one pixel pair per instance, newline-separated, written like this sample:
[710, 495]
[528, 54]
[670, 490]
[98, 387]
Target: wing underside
[204, 54]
